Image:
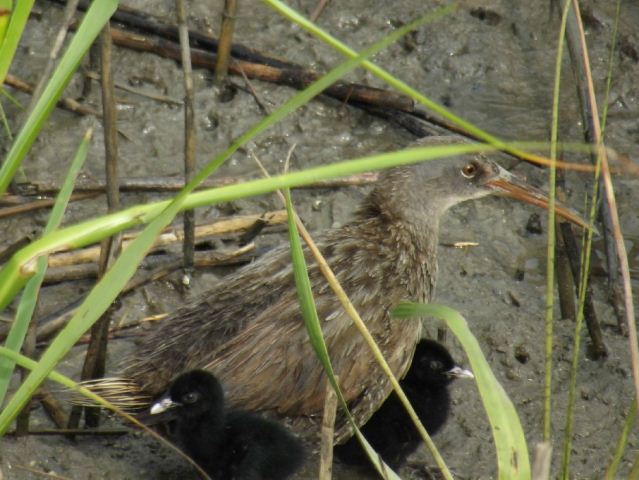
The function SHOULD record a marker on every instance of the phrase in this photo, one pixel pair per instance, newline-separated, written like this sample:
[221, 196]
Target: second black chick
[228, 445]
[390, 430]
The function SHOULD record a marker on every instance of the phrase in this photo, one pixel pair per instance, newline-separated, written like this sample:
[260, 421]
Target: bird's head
[433, 365]
[190, 395]
[422, 192]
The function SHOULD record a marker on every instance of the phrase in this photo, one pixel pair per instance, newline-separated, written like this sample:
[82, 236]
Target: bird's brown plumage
[249, 332]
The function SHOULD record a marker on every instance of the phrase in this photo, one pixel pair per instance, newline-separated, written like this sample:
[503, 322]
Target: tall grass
[510, 444]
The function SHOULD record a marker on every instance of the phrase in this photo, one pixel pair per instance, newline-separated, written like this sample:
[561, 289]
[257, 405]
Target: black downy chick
[390, 430]
[228, 445]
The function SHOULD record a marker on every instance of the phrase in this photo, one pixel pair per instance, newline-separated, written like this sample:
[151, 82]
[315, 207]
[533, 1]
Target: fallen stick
[173, 235]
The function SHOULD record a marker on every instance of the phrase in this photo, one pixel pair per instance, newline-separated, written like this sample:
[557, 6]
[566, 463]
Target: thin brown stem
[317, 11]
[566, 277]
[69, 12]
[565, 282]
[125, 88]
[66, 103]
[189, 131]
[256, 97]
[95, 360]
[52, 407]
[225, 42]
[328, 429]
[39, 204]
[572, 250]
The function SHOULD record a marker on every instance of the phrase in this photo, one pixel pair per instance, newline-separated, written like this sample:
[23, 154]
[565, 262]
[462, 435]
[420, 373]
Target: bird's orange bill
[510, 185]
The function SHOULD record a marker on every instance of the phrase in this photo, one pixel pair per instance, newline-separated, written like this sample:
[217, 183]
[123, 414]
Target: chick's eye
[469, 170]
[190, 397]
[436, 365]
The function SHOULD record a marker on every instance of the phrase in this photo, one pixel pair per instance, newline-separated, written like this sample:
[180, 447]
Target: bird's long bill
[508, 184]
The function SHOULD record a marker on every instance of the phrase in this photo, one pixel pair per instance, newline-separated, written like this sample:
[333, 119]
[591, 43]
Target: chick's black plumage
[390, 430]
[228, 445]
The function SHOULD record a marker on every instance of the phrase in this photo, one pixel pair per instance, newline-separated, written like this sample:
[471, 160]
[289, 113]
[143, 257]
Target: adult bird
[248, 329]
[390, 431]
[227, 444]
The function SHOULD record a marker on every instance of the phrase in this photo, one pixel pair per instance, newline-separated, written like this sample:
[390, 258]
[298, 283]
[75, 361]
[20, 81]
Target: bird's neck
[416, 257]
[405, 250]
[419, 222]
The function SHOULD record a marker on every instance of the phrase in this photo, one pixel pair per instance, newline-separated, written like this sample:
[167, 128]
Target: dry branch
[188, 246]
[66, 102]
[174, 235]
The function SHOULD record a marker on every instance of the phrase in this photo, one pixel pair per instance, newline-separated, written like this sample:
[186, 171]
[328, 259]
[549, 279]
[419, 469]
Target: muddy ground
[493, 67]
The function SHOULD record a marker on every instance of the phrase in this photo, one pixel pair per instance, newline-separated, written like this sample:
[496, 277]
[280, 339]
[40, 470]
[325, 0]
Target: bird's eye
[436, 365]
[469, 170]
[191, 397]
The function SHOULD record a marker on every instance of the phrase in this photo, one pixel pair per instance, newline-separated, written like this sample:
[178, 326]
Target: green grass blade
[11, 31]
[634, 470]
[307, 304]
[6, 6]
[29, 298]
[109, 286]
[94, 19]
[510, 443]
[551, 237]
[584, 278]
[316, 337]
[622, 443]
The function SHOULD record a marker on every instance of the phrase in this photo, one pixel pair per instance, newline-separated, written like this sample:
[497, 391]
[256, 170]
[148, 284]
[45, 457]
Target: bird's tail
[120, 392]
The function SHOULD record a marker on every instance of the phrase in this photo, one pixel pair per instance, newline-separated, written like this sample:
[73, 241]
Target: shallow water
[495, 70]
